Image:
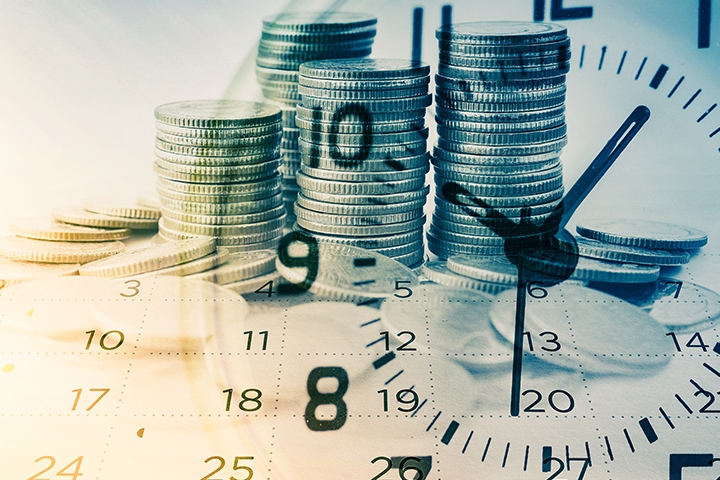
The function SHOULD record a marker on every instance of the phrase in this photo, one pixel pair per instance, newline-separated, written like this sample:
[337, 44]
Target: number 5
[237, 466]
[398, 287]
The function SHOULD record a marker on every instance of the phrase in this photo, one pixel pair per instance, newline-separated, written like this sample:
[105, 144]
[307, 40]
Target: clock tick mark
[603, 51]
[648, 430]
[450, 432]
[667, 419]
[433, 421]
[507, 451]
[707, 112]
[364, 262]
[642, 65]
[629, 440]
[711, 369]
[682, 402]
[672, 92]
[418, 408]
[546, 456]
[609, 449]
[394, 377]
[692, 99]
[659, 76]
[487, 447]
[715, 132]
[527, 454]
[467, 442]
[369, 322]
[622, 62]
[582, 57]
[383, 360]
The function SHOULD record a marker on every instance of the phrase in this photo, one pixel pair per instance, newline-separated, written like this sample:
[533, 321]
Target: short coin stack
[217, 162]
[500, 120]
[290, 39]
[363, 144]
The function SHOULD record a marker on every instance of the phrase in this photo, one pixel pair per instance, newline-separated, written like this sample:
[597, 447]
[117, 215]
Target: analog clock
[414, 387]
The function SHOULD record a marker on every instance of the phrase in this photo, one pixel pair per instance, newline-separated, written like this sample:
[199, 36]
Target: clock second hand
[577, 193]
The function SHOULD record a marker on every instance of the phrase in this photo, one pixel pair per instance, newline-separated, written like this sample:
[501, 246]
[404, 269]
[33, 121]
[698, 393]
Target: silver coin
[505, 74]
[507, 107]
[382, 152]
[365, 69]
[494, 160]
[411, 248]
[352, 188]
[346, 219]
[347, 273]
[513, 150]
[234, 142]
[176, 158]
[478, 227]
[643, 233]
[225, 230]
[284, 95]
[500, 116]
[495, 50]
[295, 64]
[501, 33]
[444, 248]
[370, 165]
[515, 178]
[362, 199]
[339, 94]
[496, 170]
[240, 266]
[224, 219]
[380, 106]
[268, 75]
[217, 114]
[500, 189]
[360, 128]
[474, 85]
[239, 208]
[469, 199]
[228, 189]
[318, 22]
[377, 243]
[532, 212]
[357, 116]
[218, 133]
[362, 231]
[588, 269]
[224, 240]
[352, 176]
[498, 127]
[628, 254]
[196, 175]
[438, 272]
[495, 268]
[190, 150]
[502, 97]
[519, 240]
[363, 139]
[684, 306]
[269, 47]
[281, 35]
[411, 259]
[613, 337]
[513, 62]
[364, 84]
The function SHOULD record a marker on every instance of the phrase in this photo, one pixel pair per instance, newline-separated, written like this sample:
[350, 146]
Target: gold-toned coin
[241, 266]
[80, 216]
[45, 228]
[150, 258]
[15, 272]
[31, 250]
[197, 266]
[121, 207]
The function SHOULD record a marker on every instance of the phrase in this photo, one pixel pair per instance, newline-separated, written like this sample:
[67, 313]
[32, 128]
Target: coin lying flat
[439, 273]
[27, 249]
[597, 332]
[202, 264]
[150, 258]
[628, 254]
[240, 266]
[643, 233]
[344, 272]
[121, 207]
[80, 216]
[491, 268]
[216, 114]
[250, 285]
[684, 306]
[15, 271]
[45, 228]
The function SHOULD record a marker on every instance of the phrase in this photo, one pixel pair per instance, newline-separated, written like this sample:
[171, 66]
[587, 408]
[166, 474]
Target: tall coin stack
[217, 163]
[500, 95]
[363, 144]
[290, 39]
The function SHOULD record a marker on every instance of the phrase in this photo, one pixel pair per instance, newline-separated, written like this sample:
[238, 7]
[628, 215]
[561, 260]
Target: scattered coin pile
[500, 93]
[217, 163]
[363, 144]
[290, 39]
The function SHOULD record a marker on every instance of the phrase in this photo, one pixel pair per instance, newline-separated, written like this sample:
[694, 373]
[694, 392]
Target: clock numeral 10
[236, 466]
[106, 344]
[250, 400]
[400, 397]
[63, 472]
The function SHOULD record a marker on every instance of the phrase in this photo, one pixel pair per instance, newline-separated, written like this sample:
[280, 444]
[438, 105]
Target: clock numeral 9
[310, 262]
[236, 466]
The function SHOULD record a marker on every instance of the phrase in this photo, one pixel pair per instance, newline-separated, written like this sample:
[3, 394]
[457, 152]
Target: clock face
[158, 378]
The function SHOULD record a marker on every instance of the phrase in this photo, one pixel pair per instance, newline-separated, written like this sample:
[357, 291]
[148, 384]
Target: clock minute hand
[602, 162]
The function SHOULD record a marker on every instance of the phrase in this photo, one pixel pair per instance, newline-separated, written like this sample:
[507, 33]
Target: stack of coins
[290, 39]
[217, 162]
[500, 93]
[363, 144]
